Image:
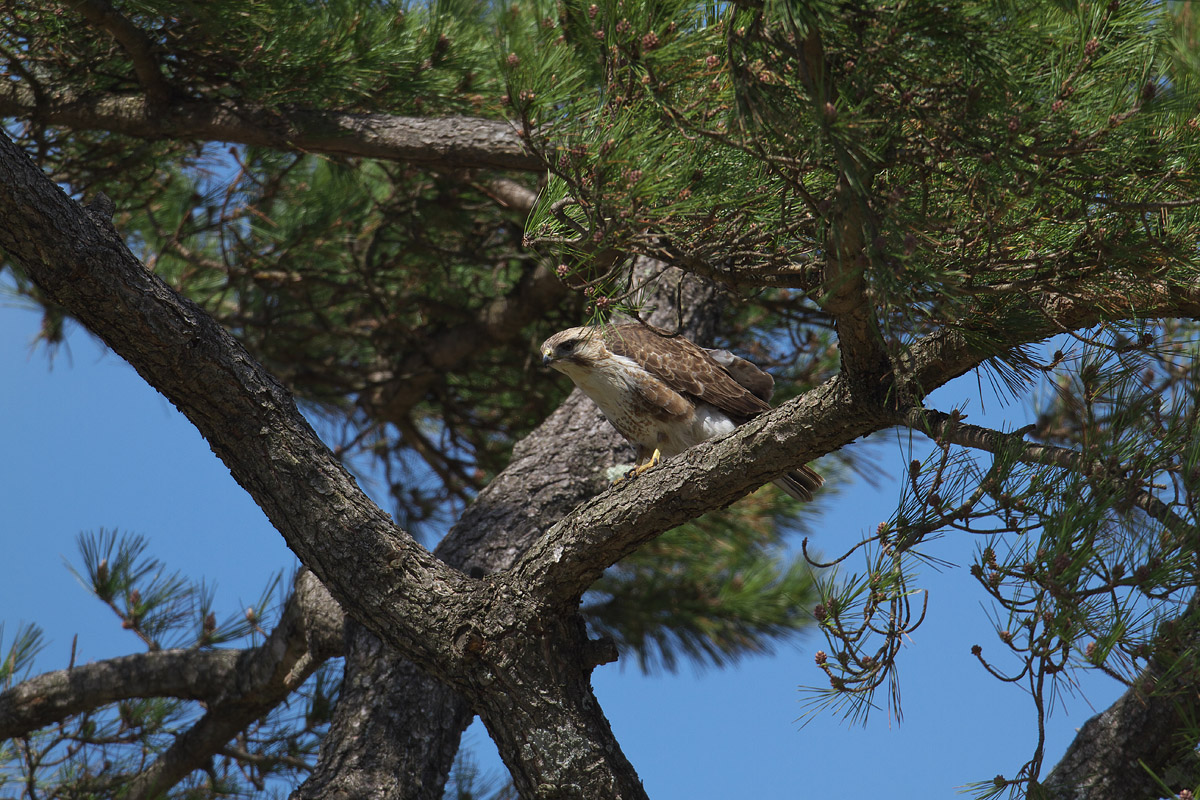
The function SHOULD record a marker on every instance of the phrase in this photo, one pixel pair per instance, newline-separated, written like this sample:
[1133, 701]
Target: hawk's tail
[801, 483]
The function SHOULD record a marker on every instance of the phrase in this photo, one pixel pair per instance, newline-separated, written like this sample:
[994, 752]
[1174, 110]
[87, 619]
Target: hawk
[664, 393]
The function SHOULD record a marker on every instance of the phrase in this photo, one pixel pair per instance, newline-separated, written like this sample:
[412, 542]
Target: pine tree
[377, 209]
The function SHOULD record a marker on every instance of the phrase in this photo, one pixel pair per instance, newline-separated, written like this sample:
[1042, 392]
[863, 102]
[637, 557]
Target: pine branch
[844, 281]
[136, 43]
[950, 428]
[310, 624]
[1125, 749]
[947, 353]
[501, 320]
[446, 142]
[845, 287]
[53, 696]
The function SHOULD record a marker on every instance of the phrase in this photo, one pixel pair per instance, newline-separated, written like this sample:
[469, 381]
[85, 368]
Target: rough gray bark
[53, 696]
[395, 730]
[1125, 750]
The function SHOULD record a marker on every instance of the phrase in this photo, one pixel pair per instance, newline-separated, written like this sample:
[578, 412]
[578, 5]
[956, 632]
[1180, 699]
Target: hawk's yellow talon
[651, 463]
[654, 460]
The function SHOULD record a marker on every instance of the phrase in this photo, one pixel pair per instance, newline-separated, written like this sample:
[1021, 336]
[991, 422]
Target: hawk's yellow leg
[649, 463]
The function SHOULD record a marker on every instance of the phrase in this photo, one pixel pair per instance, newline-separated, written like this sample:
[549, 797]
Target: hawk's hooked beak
[547, 357]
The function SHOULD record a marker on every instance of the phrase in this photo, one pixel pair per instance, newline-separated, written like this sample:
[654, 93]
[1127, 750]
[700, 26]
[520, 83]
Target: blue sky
[88, 445]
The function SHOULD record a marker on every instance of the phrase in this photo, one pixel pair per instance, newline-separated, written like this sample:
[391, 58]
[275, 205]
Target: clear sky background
[86, 444]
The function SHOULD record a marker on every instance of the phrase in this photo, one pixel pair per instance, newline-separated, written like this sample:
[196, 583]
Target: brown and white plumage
[665, 393]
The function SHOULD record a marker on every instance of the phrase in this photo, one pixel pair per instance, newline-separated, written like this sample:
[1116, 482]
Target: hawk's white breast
[613, 385]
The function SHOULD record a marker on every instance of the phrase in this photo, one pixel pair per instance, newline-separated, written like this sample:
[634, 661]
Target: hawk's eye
[565, 347]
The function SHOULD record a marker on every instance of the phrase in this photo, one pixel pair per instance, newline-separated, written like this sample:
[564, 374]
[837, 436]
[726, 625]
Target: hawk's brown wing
[685, 367]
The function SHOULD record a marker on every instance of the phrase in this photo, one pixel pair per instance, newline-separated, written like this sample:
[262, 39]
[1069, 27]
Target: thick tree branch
[844, 283]
[446, 142]
[395, 732]
[511, 194]
[944, 355]
[1122, 750]
[54, 696]
[713, 474]
[373, 569]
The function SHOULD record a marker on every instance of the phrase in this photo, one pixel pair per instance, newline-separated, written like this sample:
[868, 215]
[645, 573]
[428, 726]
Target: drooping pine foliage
[979, 146]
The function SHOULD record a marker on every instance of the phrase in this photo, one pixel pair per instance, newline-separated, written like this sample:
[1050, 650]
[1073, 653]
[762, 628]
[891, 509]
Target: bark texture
[395, 730]
[1127, 749]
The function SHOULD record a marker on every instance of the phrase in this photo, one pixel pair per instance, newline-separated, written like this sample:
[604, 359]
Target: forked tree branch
[309, 632]
[310, 627]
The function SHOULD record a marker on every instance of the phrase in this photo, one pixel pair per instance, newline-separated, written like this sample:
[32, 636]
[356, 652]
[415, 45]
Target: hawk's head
[574, 349]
